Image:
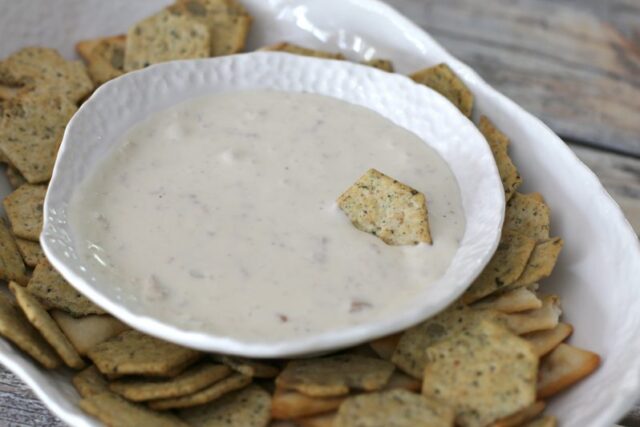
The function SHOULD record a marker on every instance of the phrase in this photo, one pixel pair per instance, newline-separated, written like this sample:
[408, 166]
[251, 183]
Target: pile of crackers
[490, 359]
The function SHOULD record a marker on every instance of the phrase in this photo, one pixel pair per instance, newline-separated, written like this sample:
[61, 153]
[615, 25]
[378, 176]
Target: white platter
[598, 270]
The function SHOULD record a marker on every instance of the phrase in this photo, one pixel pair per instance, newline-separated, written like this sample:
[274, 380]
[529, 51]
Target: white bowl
[121, 103]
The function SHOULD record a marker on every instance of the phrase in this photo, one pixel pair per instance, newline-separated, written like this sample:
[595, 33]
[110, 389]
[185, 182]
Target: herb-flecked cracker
[485, 373]
[45, 71]
[249, 367]
[522, 416]
[512, 301]
[541, 263]
[165, 37]
[249, 407]
[545, 341]
[24, 209]
[42, 321]
[134, 353]
[380, 64]
[54, 292]
[88, 331]
[384, 207]
[546, 421]
[303, 51]
[398, 408]
[104, 57]
[13, 175]
[31, 129]
[11, 264]
[227, 21]
[563, 367]
[528, 214]
[385, 346]
[206, 395]
[504, 268]
[410, 354]
[499, 144]
[335, 375]
[31, 251]
[189, 381]
[443, 80]
[113, 410]
[543, 318]
[16, 328]
[90, 382]
[289, 404]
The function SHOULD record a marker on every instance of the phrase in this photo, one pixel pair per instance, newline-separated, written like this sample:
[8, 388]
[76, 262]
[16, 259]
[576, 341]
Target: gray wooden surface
[573, 63]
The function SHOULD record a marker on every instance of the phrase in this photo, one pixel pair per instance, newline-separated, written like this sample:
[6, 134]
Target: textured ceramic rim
[134, 96]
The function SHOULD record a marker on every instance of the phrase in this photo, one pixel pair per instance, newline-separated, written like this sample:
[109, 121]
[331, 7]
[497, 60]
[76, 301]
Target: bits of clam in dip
[226, 207]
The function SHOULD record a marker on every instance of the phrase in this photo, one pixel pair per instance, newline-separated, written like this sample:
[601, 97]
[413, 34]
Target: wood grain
[573, 63]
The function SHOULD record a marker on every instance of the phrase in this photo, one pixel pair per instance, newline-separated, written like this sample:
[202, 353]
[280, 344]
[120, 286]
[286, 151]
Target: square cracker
[385, 346]
[563, 367]
[335, 375]
[113, 410]
[543, 318]
[11, 264]
[517, 419]
[187, 382]
[90, 382]
[54, 292]
[303, 51]
[205, 395]
[410, 354]
[541, 263]
[398, 408]
[499, 144]
[227, 21]
[443, 80]
[88, 331]
[485, 373]
[24, 209]
[512, 301]
[45, 71]
[31, 251]
[384, 207]
[249, 407]
[249, 367]
[380, 64]
[504, 268]
[104, 57]
[134, 353]
[42, 321]
[13, 175]
[546, 421]
[165, 37]
[528, 214]
[15, 327]
[31, 130]
[288, 404]
[545, 341]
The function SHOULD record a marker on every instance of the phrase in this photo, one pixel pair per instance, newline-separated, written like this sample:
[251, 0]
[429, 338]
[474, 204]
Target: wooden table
[573, 63]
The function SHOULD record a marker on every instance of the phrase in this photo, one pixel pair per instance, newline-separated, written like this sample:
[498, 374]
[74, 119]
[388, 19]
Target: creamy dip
[219, 215]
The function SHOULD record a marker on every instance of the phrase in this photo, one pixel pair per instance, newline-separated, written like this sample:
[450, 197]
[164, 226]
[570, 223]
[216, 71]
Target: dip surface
[219, 215]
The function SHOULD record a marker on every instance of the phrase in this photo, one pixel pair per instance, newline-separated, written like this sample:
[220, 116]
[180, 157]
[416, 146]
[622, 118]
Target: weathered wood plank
[575, 64]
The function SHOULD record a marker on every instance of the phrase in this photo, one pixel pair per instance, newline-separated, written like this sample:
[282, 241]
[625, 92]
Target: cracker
[88, 331]
[546, 421]
[30, 251]
[134, 353]
[380, 64]
[563, 367]
[545, 341]
[384, 207]
[528, 214]
[410, 355]
[31, 130]
[385, 346]
[11, 264]
[249, 407]
[542, 262]
[288, 404]
[90, 382]
[504, 268]
[485, 373]
[189, 381]
[303, 51]
[227, 21]
[324, 420]
[42, 321]
[15, 327]
[54, 292]
[540, 319]
[335, 375]
[499, 144]
[24, 209]
[165, 37]
[104, 57]
[522, 416]
[206, 395]
[398, 408]
[47, 72]
[403, 381]
[443, 80]
[248, 367]
[513, 301]
[13, 175]
[113, 410]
